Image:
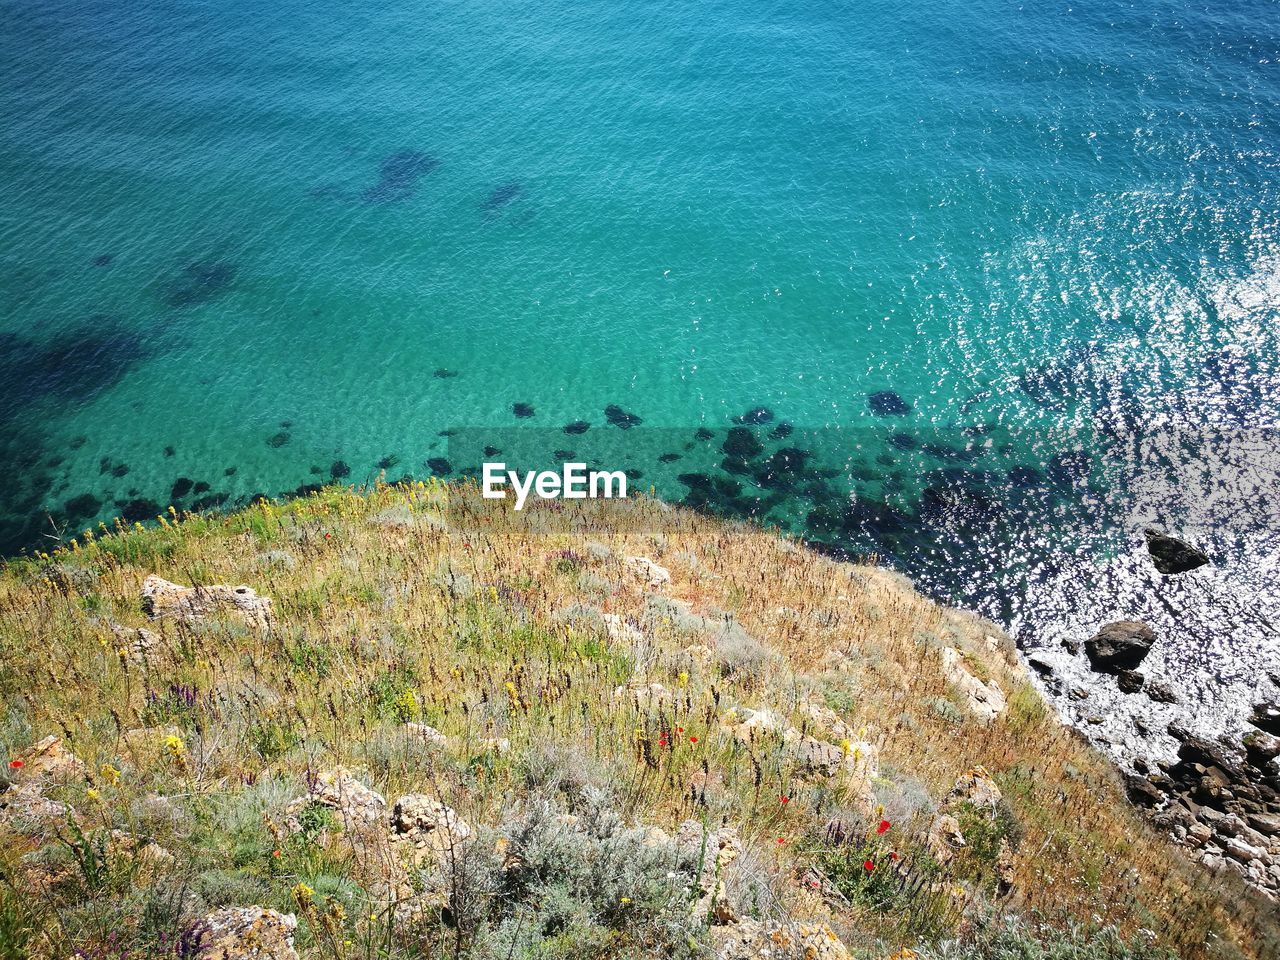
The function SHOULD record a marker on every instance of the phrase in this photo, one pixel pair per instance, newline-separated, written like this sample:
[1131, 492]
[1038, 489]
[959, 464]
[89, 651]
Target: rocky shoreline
[1218, 795]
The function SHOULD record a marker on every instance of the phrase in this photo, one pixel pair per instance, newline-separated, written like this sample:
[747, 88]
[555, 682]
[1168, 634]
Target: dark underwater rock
[887, 403]
[1171, 555]
[503, 194]
[120, 470]
[1118, 646]
[135, 511]
[387, 462]
[702, 433]
[339, 469]
[492, 451]
[741, 443]
[903, 441]
[82, 506]
[398, 176]
[781, 431]
[1024, 478]
[522, 410]
[278, 439]
[669, 458]
[200, 487]
[439, 466]
[200, 282]
[443, 373]
[104, 259]
[621, 418]
[564, 455]
[181, 487]
[169, 451]
[577, 427]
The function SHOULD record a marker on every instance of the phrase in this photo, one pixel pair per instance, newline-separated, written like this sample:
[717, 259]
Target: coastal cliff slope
[375, 724]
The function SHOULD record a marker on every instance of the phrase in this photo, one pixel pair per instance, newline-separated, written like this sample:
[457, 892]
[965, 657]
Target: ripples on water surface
[247, 248]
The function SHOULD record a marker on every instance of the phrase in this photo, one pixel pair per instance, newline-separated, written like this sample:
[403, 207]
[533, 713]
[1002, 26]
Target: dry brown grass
[389, 609]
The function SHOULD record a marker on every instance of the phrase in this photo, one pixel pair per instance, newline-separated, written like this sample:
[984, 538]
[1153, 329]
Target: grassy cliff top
[444, 739]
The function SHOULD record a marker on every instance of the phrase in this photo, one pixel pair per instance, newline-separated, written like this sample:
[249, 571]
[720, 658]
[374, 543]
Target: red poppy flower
[784, 800]
[884, 827]
[893, 854]
[868, 866]
[275, 852]
[679, 729]
[16, 764]
[782, 839]
[693, 739]
[662, 741]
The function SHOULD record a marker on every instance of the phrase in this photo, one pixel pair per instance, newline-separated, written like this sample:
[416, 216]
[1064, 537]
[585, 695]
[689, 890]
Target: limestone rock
[161, 599]
[432, 829]
[139, 644]
[238, 933]
[655, 575]
[756, 940]
[1005, 868]
[853, 760]
[717, 849]
[975, 786]
[747, 725]
[620, 631]
[944, 838]
[427, 734]
[358, 806]
[645, 695]
[1119, 646]
[986, 701]
[45, 765]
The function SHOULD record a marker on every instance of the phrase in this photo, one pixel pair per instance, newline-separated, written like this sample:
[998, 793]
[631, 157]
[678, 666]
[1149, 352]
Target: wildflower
[784, 800]
[683, 678]
[679, 729]
[93, 795]
[883, 828]
[303, 893]
[868, 865]
[276, 852]
[16, 764]
[625, 900]
[693, 739]
[110, 774]
[782, 840]
[845, 747]
[173, 744]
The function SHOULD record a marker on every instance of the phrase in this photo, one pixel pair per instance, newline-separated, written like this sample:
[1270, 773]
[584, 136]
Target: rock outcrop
[1173, 556]
[757, 940]
[1119, 646]
[715, 850]
[33, 772]
[163, 599]
[240, 933]
[985, 700]
[1221, 801]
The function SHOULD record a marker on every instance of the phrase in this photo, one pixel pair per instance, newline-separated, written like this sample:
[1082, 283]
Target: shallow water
[247, 248]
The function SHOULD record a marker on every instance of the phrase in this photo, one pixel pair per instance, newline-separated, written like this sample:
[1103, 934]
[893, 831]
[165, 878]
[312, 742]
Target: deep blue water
[245, 248]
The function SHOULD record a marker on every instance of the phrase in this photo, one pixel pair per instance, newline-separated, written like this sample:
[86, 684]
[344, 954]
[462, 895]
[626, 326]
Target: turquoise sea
[1010, 272]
